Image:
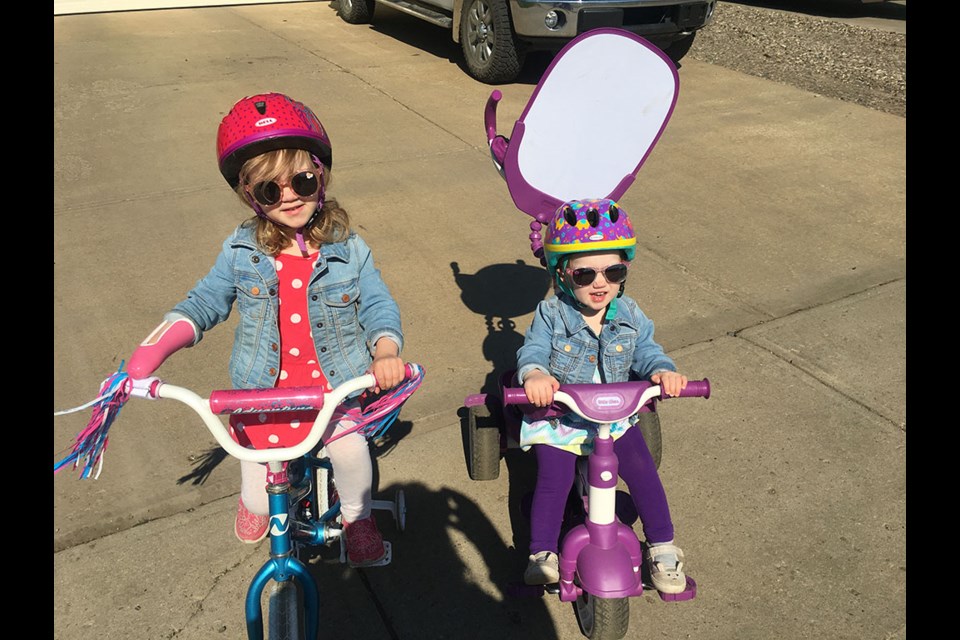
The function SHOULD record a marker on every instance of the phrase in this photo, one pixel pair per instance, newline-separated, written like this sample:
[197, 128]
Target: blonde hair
[332, 224]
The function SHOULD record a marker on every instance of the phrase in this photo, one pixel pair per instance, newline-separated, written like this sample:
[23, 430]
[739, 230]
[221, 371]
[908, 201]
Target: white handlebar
[568, 401]
[220, 432]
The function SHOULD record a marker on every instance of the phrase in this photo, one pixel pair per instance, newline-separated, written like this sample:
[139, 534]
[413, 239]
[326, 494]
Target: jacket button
[319, 325]
[314, 298]
[273, 371]
[255, 291]
[255, 259]
[323, 349]
[345, 298]
[619, 347]
[274, 346]
[566, 348]
[273, 292]
[332, 373]
[592, 358]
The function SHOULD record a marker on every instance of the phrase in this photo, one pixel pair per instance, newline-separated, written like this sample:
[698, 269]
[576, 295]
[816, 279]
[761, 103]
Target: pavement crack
[813, 375]
[381, 610]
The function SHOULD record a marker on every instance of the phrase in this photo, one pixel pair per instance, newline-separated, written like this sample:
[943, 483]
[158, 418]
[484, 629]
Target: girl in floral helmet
[591, 332]
[313, 309]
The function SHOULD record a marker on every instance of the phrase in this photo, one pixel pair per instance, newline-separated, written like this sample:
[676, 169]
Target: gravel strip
[856, 64]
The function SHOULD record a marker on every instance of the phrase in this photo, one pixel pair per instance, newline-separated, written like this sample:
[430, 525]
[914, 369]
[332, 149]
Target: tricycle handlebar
[605, 403]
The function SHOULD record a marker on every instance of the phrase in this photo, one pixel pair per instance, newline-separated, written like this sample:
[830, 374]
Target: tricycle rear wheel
[483, 442]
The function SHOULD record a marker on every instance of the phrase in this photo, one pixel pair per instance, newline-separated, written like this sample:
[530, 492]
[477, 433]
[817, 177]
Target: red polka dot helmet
[265, 122]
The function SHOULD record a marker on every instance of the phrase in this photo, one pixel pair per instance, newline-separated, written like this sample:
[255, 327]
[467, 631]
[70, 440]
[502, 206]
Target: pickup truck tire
[356, 11]
[678, 48]
[490, 48]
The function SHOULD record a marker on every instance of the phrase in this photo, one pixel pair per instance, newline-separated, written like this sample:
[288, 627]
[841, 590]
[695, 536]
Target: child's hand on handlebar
[540, 388]
[671, 382]
[387, 366]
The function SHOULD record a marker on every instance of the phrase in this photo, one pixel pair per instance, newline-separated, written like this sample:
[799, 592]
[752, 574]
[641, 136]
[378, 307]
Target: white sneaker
[543, 568]
[665, 562]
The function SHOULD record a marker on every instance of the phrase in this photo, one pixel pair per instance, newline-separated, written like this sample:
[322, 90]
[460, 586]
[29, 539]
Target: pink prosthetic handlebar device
[163, 341]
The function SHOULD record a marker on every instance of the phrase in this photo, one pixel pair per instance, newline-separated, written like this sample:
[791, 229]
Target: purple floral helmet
[579, 226]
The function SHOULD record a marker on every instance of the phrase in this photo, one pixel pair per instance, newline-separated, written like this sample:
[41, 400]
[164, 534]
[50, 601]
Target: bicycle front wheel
[285, 612]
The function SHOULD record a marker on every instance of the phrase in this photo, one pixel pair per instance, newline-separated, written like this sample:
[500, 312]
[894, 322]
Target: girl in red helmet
[313, 309]
[591, 332]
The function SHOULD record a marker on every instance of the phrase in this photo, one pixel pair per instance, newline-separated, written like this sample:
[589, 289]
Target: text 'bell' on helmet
[265, 122]
[579, 226]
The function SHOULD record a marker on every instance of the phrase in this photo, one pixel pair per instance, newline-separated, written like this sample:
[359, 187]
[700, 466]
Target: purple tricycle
[606, 97]
[601, 558]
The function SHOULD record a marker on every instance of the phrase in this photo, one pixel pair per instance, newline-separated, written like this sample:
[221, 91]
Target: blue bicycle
[301, 490]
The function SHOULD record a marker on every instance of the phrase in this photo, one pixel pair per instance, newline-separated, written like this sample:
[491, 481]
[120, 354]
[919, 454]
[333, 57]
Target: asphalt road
[772, 257]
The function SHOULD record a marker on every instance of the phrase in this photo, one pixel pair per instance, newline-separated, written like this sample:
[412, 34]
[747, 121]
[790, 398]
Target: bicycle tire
[602, 618]
[285, 612]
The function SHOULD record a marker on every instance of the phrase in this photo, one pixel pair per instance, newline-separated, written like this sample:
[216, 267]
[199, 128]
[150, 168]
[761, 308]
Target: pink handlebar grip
[158, 346]
[231, 401]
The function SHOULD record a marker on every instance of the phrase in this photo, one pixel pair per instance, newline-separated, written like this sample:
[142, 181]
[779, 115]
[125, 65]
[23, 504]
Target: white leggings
[352, 469]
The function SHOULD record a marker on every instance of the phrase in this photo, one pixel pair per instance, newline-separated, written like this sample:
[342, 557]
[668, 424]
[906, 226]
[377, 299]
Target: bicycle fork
[283, 565]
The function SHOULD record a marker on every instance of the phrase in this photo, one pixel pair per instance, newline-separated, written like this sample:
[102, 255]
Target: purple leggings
[555, 471]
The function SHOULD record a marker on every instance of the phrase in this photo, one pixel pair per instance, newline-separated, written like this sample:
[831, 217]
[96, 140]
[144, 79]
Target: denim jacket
[560, 343]
[349, 304]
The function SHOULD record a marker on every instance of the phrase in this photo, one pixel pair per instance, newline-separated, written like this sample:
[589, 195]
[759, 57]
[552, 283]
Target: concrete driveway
[772, 257]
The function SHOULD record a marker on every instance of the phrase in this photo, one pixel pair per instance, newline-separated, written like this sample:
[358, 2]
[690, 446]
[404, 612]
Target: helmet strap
[611, 310]
[612, 307]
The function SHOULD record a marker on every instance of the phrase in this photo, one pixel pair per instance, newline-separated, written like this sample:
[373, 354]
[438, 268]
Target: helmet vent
[570, 216]
[261, 106]
[593, 217]
[614, 213]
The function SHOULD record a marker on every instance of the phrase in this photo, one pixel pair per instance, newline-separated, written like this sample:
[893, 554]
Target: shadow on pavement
[430, 586]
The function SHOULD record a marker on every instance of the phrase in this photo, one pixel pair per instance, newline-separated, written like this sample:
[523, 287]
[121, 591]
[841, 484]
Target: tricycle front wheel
[602, 618]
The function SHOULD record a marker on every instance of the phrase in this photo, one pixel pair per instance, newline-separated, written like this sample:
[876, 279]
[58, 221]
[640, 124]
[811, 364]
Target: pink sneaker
[364, 542]
[250, 527]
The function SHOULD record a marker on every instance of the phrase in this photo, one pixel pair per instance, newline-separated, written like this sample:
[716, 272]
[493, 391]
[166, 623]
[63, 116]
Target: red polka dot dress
[299, 366]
